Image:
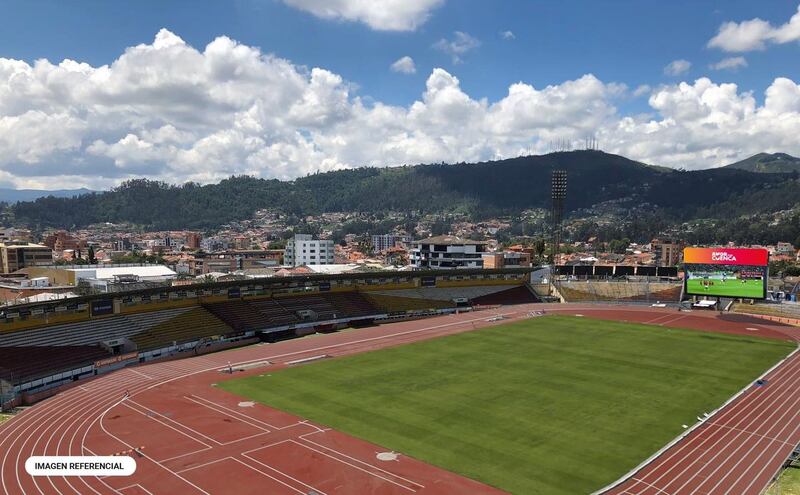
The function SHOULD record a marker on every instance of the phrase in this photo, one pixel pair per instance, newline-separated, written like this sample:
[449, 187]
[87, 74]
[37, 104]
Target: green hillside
[481, 190]
[770, 163]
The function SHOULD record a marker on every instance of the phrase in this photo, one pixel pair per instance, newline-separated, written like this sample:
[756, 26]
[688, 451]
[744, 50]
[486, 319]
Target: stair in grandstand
[318, 305]
[239, 315]
[189, 326]
[278, 315]
[351, 304]
[89, 332]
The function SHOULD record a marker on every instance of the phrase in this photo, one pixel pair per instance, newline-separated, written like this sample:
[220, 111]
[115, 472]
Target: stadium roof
[149, 271]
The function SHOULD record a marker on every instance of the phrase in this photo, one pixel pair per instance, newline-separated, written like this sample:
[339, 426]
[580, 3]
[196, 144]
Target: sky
[94, 92]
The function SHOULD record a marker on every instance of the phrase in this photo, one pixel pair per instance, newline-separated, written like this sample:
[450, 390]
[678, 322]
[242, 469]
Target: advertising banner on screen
[726, 272]
[726, 256]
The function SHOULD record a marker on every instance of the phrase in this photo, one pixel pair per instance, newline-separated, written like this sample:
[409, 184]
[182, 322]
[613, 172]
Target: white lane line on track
[772, 439]
[136, 485]
[782, 389]
[356, 467]
[130, 403]
[52, 413]
[772, 457]
[143, 455]
[268, 476]
[652, 486]
[303, 438]
[317, 490]
[133, 370]
[65, 431]
[734, 408]
[245, 421]
[785, 425]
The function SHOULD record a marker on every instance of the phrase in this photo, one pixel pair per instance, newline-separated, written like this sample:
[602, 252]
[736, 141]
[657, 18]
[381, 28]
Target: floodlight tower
[558, 190]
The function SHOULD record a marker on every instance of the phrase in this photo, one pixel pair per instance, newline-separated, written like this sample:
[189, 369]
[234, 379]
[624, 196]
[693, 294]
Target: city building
[14, 234]
[506, 259]
[193, 240]
[123, 244]
[231, 261]
[666, 252]
[106, 278]
[213, 244]
[16, 255]
[61, 240]
[447, 251]
[785, 248]
[383, 242]
[303, 249]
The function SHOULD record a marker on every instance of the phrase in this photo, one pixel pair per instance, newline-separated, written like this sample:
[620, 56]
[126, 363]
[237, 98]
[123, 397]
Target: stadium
[428, 382]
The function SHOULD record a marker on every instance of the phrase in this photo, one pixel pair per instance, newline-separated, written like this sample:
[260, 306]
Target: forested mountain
[480, 190]
[13, 195]
[769, 163]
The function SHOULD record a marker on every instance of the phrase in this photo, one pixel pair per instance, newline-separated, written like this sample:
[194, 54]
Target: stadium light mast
[558, 188]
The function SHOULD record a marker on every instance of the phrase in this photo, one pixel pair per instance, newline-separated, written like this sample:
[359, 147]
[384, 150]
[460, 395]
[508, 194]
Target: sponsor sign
[116, 359]
[102, 307]
[234, 293]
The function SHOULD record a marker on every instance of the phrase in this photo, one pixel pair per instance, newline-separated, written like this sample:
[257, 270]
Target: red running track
[193, 438]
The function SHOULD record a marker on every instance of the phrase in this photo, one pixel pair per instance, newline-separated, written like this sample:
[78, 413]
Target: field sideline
[548, 405]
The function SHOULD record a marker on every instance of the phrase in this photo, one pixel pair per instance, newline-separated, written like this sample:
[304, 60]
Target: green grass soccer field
[550, 405]
[728, 288]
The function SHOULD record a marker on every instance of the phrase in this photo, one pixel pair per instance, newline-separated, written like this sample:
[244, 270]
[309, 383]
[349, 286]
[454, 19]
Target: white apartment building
[446, 252]
[383, 242]
[303, 249]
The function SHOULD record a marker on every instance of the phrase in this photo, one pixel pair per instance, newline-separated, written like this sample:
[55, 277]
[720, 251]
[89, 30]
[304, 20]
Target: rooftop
[449, 239]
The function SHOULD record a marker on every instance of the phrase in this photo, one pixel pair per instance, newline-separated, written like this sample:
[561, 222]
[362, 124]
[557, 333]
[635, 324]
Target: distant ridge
[15, 195]
[768, 163]
[478, 190]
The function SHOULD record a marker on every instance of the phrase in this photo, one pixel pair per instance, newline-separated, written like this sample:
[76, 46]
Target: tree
[92, 260]
[539, 247]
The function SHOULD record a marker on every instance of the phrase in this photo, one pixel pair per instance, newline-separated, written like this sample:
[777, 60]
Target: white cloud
[404, 65]
[507, 35]
[754, 34]
[458, 46]
[677, 67]
[381, 15]
[730, 63]
[642, 90]
[169, 111]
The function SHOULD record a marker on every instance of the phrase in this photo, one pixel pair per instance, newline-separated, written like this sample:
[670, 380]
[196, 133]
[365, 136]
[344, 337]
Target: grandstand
[447, 294]
[28, 363]
[50, 343]
[90, 332]
[618, 291]
[240, 315]
[397, 304]
[188, 326]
